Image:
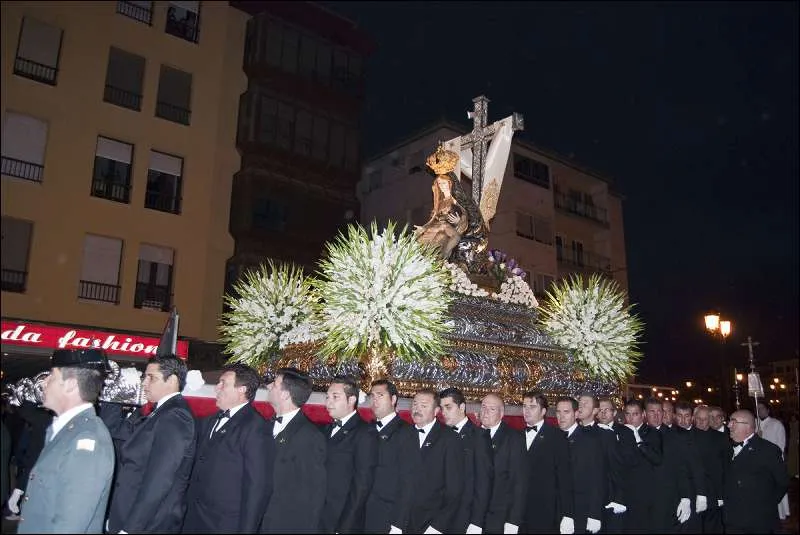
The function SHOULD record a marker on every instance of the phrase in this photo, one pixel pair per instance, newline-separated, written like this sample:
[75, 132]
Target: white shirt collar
[590, 424]
[427, 427]
[572, 429]
[745, 441]
[161, 401]
[721, 429]
[538, 425]
[63, 419]
[234, 410]
[347, 418]
[286, 418]
[494, 428]
[460, 425]
[386, 419]
[606, 426]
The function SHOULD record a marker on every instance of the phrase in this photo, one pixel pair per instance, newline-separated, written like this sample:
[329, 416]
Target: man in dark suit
[588, 468]
[622, 456]
[156, 454]
[352, 454]
[299, 479]
[549, 499]
[232, 476]
[388, 430]
[641, 472]
[431, 480]
[715, 456]
[507, 505]
[478, 469]
[756, 481]
[694, 464]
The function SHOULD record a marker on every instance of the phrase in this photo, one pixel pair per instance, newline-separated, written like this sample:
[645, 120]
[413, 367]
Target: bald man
[714, 455]
[756, 480]
[506, 508]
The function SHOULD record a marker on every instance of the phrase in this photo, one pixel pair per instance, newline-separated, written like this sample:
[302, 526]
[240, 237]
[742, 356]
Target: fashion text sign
[56, 337]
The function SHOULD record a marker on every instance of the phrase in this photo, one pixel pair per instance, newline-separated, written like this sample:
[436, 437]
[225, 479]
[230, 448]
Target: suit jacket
[36, 420]
[549, 494]
[69, 485]
[639, 480]
[478, 472]
[755, 483]
[672, 478]
[432, 480]
[623, 455]
[714, 450]
[232, 477]
[383, 503]
[508, 492]
[352, 454]
[589, 481]
[156, 453]
[298, 480]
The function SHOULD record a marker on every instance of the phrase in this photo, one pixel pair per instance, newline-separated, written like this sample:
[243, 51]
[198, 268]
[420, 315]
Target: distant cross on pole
[478, 141]
[750, 345]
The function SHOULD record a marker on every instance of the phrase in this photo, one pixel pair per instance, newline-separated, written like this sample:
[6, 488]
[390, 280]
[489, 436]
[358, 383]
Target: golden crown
[442, 161]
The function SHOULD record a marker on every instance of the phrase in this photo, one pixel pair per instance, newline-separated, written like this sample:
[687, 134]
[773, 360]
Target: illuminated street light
[710, 389]
[740, 377]
[724, 328]
[688, 384]
[783, 386]
[712, 322]
[776, 380]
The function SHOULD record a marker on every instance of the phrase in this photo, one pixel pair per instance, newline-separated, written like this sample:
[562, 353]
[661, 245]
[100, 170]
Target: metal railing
[136, 12]
[173, 113]
[98, 291]
[152, 296]
[111, 189]
[123, 98]
[585, 260]
[189, 30]
[35, 71]
[155, 200]
[14, 280]
[22, 169]
[574, 206]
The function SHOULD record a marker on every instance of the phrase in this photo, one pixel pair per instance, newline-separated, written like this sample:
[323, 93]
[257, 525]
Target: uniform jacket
[549, 473]
[478, 473]
[232, 476]
[508, 493]
[68, 487]
[589, 474]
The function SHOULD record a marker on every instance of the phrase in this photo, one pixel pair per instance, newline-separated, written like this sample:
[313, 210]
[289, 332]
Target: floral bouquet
[501, 267]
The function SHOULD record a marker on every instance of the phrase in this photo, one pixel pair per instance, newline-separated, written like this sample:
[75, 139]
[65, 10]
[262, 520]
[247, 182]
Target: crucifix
[478, 141]
[754, 381]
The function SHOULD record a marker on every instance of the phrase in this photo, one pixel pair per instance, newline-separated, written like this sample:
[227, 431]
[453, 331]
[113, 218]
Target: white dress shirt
[572, 429]
[385, 420]
[530, 434]
[63, 419]
[426, 429]
[460, 425]
[738, 449]
[280, 426]
[493, 429]
[223, 421]
[161, 401]
[344, 421]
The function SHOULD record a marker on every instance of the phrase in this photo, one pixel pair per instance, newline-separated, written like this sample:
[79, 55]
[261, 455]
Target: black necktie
[378, 423]
[337, 423]
[278, 419]
[531, 428]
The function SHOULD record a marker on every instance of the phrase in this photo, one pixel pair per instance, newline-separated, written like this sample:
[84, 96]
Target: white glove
[13, 501]
[123, 532]
[393, 530]
[684, 510]
[431, 531]
[720, 503]
[592, 525]
[701, 503]
[508, 527]
[618, 508]
[567, 526]
[472, 529]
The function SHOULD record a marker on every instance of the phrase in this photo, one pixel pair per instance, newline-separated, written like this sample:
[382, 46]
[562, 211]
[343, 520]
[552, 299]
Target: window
[337, 145]
[269, 214]
[268, 120]
[531, 171]
[38, 51]
[274, 43]
[340, 72]
[137, 10]
[112, 170]
[559, 248]
[285, 125]
[164, 183]
[154, 278]
[174, 95]
[291, 40]
[183, 20]
[16, 244]
[100, 272]
[351, 150]
[577, 253]
[308, 55]
[541, 283]
[534, 228]
[324, 57]
[24, 141]
[303, 133]
[124, 77]
[319, 147]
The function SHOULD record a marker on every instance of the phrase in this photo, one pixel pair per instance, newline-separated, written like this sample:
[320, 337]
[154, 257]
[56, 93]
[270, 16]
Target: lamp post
[718, 327]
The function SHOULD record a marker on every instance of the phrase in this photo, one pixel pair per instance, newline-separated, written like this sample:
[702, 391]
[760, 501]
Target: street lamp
[722, 328]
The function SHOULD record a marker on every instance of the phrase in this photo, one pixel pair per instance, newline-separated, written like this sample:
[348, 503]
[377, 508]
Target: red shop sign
[49, 336]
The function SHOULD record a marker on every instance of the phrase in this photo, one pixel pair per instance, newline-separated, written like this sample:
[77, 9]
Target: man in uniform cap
[69, 485]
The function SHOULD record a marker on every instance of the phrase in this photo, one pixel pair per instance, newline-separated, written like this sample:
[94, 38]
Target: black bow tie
[422, 431]
[337, 423]
[456, 429]
[531, 428]
[378, 423]
[278, 419]
[738, 444]
[224, 414]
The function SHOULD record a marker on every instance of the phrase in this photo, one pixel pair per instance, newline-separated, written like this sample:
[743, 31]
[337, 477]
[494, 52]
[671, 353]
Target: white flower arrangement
[273, 307]
[516, 290]
[590, 318]
[382, 292]
[460, 283]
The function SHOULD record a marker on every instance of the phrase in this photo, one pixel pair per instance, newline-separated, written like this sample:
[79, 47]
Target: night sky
[690, 108]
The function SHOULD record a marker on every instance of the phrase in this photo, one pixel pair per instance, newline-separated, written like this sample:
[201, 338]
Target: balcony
[152, 296]
[98, 291]
[21, 169]
[173, 113]
[112, 189]
[136, 12]
[14, 281]
[572, 205]
[585, 261]
[122, 98]
[155, 200]
[35, 71]
[187, 28]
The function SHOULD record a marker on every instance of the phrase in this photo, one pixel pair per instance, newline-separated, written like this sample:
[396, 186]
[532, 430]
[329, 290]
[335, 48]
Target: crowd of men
[666, 469]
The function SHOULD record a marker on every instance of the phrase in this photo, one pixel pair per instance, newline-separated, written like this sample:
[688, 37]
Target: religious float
[432, 307]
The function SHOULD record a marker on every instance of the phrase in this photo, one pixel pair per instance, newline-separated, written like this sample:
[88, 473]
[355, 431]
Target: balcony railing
[173, 113]
[136, 12]
[585, 260]
[123, 98]
[111, 189]
[14, 280]
[185, 29]
[155, 200]
[574, 206]
[35, 71]
[21, 169]
[152, 296]
[98, 291]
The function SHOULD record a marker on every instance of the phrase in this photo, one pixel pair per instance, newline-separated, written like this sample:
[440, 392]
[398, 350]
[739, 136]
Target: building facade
[118, 154]
[299, 133]
[553, 216]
